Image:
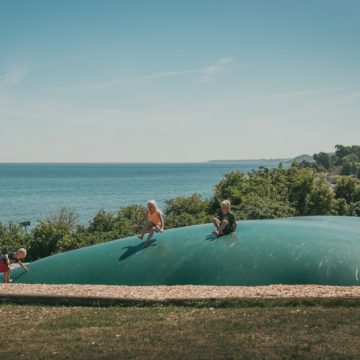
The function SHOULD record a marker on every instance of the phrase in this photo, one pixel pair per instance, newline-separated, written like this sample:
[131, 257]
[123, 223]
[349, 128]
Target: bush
[183, 211]
[347, 188]
[342, 208]
[46, 239]
[355, 209]
[12, 237]
[102, 222]
[256, 207]
[133, 216]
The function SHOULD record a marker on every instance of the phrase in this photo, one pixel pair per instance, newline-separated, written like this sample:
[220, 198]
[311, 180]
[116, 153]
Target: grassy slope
[43, 332]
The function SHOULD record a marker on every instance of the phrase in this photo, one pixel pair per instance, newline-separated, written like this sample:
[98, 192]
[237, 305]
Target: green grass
[175, 332]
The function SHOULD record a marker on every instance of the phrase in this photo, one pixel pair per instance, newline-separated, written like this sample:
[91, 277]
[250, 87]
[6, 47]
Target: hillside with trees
[344, 161]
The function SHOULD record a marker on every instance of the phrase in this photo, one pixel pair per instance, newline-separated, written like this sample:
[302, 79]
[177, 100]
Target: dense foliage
[345, 161]
[301, 189]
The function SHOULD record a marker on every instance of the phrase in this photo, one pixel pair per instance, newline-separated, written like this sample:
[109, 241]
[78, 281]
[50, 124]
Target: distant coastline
[249, 161]
[299, 158]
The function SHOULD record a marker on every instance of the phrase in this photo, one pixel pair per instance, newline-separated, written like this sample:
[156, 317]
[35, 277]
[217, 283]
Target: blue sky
[177, 80]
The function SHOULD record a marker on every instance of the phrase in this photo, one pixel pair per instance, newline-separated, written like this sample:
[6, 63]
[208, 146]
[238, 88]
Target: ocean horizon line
[135, 162]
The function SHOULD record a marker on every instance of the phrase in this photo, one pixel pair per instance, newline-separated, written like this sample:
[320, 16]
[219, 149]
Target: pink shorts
[4, 268]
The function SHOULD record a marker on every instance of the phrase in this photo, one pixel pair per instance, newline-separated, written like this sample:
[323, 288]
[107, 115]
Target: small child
[154, 221]
[10, 258]
[227, 223]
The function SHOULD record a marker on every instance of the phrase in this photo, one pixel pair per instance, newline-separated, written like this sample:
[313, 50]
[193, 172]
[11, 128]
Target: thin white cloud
[92, 110]
[160, 75]
[16, 75]
[54, 112]
[210, 70]
[204, 73]
[225, 60]
[291, 94]
[58, 62]
[46, 110]
[344, 100]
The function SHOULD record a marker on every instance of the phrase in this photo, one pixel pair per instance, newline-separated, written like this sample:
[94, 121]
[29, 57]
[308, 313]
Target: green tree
[12, 237]
[260, 194]
[66, 217]
[258, 207]
[107, 226]
[184, 211]
[133, 215]
[300, 185]
[355, 208]
[346, 168]
[342, 151]
[46, 237]
[320, 199]
[102, 222]
[347, 188]
[342, 207]
[53, 235]
[323, 159]
[272, 193]
[232, 187]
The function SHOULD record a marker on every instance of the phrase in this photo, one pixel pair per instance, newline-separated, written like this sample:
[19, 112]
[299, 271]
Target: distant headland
[298, 159]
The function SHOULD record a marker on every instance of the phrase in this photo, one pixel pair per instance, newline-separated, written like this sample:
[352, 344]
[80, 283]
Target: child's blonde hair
[22, 250]
[154, 203]
[225, 203]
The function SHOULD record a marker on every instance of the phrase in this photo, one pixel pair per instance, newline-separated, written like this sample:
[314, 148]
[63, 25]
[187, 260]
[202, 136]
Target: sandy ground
[161, 293]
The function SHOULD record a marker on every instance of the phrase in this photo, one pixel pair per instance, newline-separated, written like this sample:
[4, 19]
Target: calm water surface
[34, 191]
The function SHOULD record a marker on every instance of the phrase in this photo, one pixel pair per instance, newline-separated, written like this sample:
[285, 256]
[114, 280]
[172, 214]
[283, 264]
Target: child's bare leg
[151, 233]
[145, 229]
[7, 277]
[222, 227]
[216, 223]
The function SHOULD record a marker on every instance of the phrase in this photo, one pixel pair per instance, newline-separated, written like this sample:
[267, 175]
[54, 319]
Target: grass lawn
[175, 332]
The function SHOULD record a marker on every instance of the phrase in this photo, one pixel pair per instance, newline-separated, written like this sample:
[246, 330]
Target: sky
[177, 80]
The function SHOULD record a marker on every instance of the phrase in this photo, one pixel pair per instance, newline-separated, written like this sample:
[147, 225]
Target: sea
[30, 192]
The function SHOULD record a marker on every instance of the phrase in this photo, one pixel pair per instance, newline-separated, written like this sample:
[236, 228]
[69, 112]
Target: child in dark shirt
[226, 224]
[10, 258]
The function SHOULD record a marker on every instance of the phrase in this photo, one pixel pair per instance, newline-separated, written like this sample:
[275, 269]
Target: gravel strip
[180, 292]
